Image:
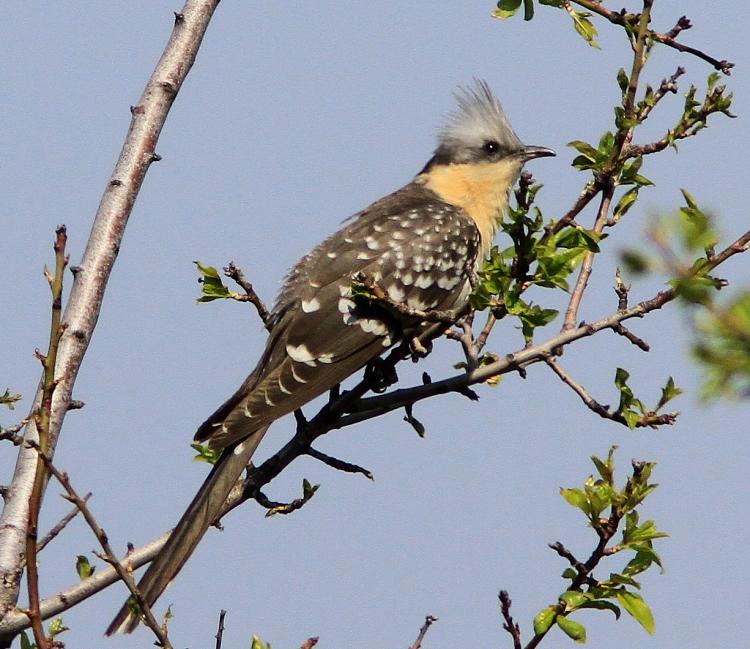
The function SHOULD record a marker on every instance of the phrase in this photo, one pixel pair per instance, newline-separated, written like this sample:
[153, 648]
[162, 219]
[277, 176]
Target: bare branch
[220, 631]
[109, 556]
[85, 301]
[50, 536]
[236, 274]
[668, 39]
[339, 465]
[428, 622]
[592, 404]
[509, 624]
[571, 313]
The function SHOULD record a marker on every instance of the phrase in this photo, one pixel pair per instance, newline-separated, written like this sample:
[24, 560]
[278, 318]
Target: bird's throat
[481, 190]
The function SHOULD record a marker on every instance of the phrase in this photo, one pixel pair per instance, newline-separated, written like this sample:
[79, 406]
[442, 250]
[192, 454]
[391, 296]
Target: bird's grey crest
[478, 118]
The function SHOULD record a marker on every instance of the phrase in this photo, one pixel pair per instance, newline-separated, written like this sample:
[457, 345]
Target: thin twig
[623, 331]
[109, 555]
[649, 420]
[571, 312]
[220, 631]
[42, 419]
[236, 274]
[667, 39]
[428, 622]
[61, 525]
[666, 86]
[309, 643]
[339, 465]
[509, 624]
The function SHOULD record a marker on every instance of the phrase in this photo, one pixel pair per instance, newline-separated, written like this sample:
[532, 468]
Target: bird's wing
[418, 255]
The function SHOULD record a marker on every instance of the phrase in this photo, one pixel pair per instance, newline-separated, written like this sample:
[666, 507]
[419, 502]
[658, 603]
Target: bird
[420, 245]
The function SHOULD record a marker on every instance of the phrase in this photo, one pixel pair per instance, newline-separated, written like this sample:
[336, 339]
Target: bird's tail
[199, 516]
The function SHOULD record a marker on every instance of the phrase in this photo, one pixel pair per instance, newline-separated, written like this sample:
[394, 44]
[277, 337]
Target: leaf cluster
[581, 23]
[631, 409]
[606, 507]
[538, 256]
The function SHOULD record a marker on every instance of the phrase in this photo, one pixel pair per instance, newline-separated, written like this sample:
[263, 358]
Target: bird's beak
[531, 152]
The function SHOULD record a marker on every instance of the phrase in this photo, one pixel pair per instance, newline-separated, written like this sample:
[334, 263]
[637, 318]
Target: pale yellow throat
[481, 189]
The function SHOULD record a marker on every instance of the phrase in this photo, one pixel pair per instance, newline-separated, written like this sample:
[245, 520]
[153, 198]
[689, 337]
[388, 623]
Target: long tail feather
[199, 516]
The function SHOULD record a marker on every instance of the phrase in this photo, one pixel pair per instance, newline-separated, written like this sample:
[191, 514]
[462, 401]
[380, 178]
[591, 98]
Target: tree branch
[236, 274]
[109, 556]
[428, 622]
[91, 276]
[668, 39]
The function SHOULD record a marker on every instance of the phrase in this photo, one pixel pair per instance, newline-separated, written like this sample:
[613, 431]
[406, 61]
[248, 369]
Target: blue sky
[295, 116]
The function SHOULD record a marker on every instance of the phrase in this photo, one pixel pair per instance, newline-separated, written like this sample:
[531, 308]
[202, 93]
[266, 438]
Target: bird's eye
[490, 146]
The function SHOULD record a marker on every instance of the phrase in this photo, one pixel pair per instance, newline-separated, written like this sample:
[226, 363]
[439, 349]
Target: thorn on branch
[75, 404]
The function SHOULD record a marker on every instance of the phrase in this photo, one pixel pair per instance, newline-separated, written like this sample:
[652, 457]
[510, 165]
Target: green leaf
[56, 627]
[544, 619]
[573, 599]
[205, 454]
[83, 567]
[635, 262]
[638, 609]
[257, 643]
[627, 200]
[572, 629]
[585, 27]
[212, 288]
[606, 146]
[668, 392]
[622, 80]
[506, 8]
[603, 605]
[584, 148]
[25, 642]
[576, 498]
[308, 489]
[569, 573]
[645, 532]
[8, 399]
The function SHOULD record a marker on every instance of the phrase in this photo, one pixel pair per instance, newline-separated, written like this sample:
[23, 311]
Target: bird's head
[478, 133]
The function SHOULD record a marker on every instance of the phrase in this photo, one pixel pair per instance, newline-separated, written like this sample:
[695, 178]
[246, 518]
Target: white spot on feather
[309, 306]
[299, 379]
[396, 293]
[282, 388]
[423, 281]
[300, 353]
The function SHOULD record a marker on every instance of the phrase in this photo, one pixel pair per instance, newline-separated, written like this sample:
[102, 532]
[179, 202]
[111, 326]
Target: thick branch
[84, 304]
